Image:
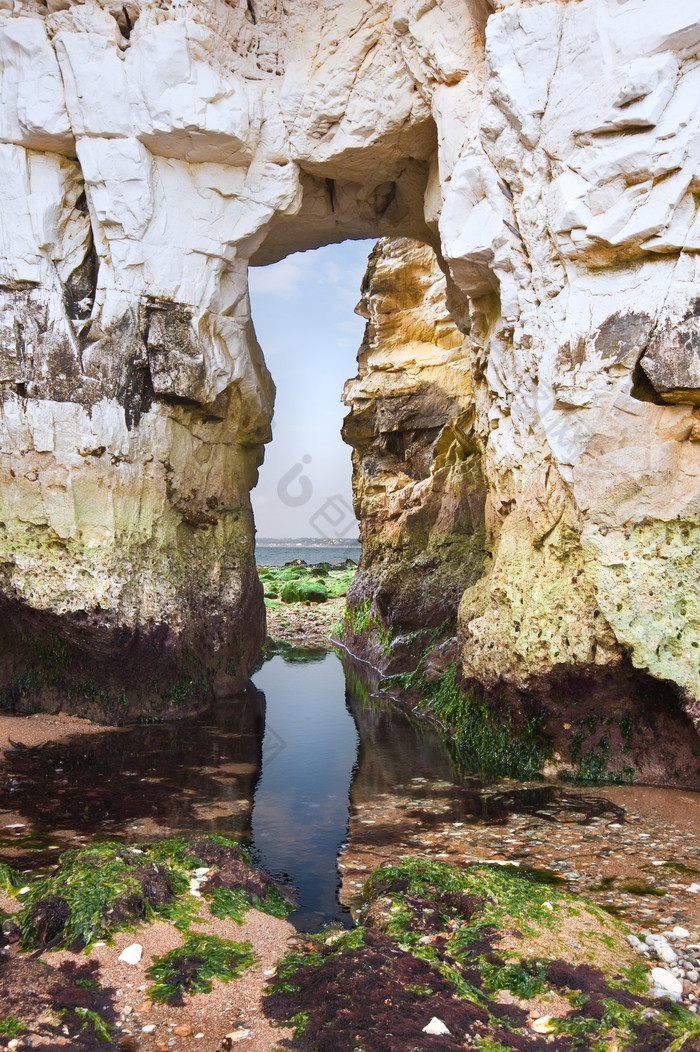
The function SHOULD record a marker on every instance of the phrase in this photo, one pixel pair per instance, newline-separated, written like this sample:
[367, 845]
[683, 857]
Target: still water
[279, 554]
[320, 777]
[300, 812]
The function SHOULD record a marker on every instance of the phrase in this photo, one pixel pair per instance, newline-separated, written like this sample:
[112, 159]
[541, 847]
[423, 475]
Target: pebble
[148, 1028]
[131, 954]
[543, 1025]
[435, 1026]
[679, 980]
[666, 981]
[665, 953]
[234, 1037]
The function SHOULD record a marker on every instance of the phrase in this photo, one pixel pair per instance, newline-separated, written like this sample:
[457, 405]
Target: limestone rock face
[548, 151]
[418, 485]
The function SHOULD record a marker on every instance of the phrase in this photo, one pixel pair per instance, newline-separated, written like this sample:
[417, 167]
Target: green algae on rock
[108, 887]
[491, 951]
[191, 967]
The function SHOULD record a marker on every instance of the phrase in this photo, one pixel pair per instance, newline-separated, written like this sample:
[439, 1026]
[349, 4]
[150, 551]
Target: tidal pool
[300, 811]
[326, 781]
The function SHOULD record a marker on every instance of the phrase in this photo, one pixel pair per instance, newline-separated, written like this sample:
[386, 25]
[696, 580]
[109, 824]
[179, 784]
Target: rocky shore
[490, 955]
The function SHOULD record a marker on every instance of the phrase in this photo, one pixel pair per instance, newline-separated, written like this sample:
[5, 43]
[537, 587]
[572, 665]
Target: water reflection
[137, 782]
[397, 784]
[300, 814]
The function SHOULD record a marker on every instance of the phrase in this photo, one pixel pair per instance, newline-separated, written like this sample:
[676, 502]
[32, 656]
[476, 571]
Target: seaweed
[191, 967]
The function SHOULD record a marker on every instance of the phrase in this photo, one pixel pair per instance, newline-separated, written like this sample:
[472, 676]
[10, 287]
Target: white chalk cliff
[149, 151]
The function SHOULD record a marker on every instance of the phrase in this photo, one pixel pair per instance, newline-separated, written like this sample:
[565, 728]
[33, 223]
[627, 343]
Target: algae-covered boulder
[304, 591]
[494, 957]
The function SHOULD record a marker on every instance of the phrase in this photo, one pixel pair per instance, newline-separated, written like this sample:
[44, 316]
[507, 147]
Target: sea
[276, 551]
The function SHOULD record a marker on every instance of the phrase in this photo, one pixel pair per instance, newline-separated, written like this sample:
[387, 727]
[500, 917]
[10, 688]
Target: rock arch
[150, 151]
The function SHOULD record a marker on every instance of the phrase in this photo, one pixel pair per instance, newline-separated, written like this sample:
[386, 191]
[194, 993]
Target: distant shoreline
[306, 542]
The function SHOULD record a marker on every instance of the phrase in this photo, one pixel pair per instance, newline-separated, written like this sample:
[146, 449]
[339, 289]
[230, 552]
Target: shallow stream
[327, 783]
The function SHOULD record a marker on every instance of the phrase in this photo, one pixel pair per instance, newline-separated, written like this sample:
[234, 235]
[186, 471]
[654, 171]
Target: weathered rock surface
[419, 489]
[149, 152]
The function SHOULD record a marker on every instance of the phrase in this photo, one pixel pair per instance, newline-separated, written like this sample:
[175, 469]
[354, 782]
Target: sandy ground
[204, 1021]
[42, 728]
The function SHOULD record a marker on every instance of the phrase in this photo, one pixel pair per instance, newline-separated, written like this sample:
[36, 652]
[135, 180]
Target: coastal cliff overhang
[150, 153]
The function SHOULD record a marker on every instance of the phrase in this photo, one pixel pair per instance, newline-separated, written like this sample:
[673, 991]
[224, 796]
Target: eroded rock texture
[549, 151]
[418, 482]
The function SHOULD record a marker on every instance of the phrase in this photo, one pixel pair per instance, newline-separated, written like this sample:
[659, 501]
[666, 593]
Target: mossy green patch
[11, 1026]
[439, 940]
[191, 967]
[10, 879]
[303, 592]
[95, 1023]
[301, 584]
[111, 886]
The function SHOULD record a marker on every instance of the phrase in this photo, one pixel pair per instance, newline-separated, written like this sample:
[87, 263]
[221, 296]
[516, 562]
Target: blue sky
[303, 312]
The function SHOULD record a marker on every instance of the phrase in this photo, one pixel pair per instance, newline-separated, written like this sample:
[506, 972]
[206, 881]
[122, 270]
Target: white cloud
[280, 279]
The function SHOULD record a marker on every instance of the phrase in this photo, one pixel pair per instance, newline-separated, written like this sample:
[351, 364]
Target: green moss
[90, 882]
[11, 1026]
[226, 902]
[10, 879]
[358, 617]
[361, 619]
[303, 592]
[105, 888]
[191, 967]
[304, 584]
[483, 740]
[635, 888]
[526, 979]
[299, 1022]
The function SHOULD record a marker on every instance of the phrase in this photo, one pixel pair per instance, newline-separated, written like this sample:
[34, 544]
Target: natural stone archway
[548, 151]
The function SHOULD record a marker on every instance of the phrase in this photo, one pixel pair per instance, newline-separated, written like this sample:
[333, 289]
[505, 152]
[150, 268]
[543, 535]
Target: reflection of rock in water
[142, 780]
[301, 802]
[406, 799]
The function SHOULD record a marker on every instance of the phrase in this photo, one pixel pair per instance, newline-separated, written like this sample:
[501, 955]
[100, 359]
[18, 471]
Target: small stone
[183, 1030]
[634, 941]
[681, 933]
[543, 1025]
[234, 1037]
[435, 1026]
[662, 978]
[665, 953]
[694, 888]
[131, 954]
[145, 1007]
[148, 1028]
